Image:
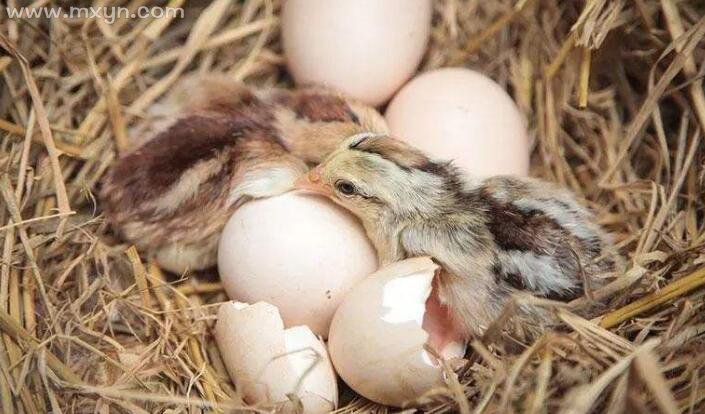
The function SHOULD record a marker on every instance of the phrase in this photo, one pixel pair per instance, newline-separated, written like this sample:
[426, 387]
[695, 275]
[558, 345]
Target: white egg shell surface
[462, 115]
[268, 363]
[379, 335]
[297, 251]
[364, 48]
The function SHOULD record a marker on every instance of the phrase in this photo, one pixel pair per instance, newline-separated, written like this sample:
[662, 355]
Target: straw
[612, 92]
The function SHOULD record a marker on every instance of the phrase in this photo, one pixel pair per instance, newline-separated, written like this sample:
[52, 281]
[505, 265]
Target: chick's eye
[345, 187]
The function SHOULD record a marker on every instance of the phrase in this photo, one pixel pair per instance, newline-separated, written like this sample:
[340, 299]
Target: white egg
[297, 251]
[268, 363]
[461, 115]
[365, 48]
[380, 333]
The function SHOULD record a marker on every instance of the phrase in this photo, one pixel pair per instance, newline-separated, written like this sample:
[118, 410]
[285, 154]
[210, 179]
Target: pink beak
[312, 182]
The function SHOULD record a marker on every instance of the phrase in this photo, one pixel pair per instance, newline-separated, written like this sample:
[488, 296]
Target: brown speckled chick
[492, 236]
[216, 144]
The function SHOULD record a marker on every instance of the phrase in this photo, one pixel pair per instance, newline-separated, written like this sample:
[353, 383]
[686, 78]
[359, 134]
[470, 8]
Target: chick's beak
[313, 183]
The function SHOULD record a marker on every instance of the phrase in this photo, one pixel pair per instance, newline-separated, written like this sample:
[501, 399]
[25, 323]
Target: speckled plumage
[492, 236]
[213, 144]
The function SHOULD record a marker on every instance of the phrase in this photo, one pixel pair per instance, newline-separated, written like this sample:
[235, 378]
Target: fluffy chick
[492, 236]
[215, 144]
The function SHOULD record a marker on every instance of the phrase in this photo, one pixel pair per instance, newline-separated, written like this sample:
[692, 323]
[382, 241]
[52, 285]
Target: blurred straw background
[613, 91]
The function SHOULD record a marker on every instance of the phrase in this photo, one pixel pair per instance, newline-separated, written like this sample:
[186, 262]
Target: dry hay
[613, 93]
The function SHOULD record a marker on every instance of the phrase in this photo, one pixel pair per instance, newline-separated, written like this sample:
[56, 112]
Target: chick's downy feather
[213, 144]
[493, 236]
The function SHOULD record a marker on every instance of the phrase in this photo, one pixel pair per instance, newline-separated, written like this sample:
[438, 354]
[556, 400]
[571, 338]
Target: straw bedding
[614, 97]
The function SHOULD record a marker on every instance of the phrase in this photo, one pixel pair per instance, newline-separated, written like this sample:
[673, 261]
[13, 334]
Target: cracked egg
[390, 336]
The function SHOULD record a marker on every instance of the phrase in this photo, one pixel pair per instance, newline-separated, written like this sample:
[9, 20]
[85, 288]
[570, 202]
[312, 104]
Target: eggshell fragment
[377, 340]
[299, 252]
[462, 115]
[365, 48]
[268, 363]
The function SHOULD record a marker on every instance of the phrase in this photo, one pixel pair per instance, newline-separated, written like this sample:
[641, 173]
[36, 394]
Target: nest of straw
[614, 96]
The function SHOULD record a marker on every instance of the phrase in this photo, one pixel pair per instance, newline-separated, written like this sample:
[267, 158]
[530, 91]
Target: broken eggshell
[270, 364]
[390, 333]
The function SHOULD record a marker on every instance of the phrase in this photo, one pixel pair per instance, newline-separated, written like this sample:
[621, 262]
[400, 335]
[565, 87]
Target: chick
[215, 145]
[492, 236]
